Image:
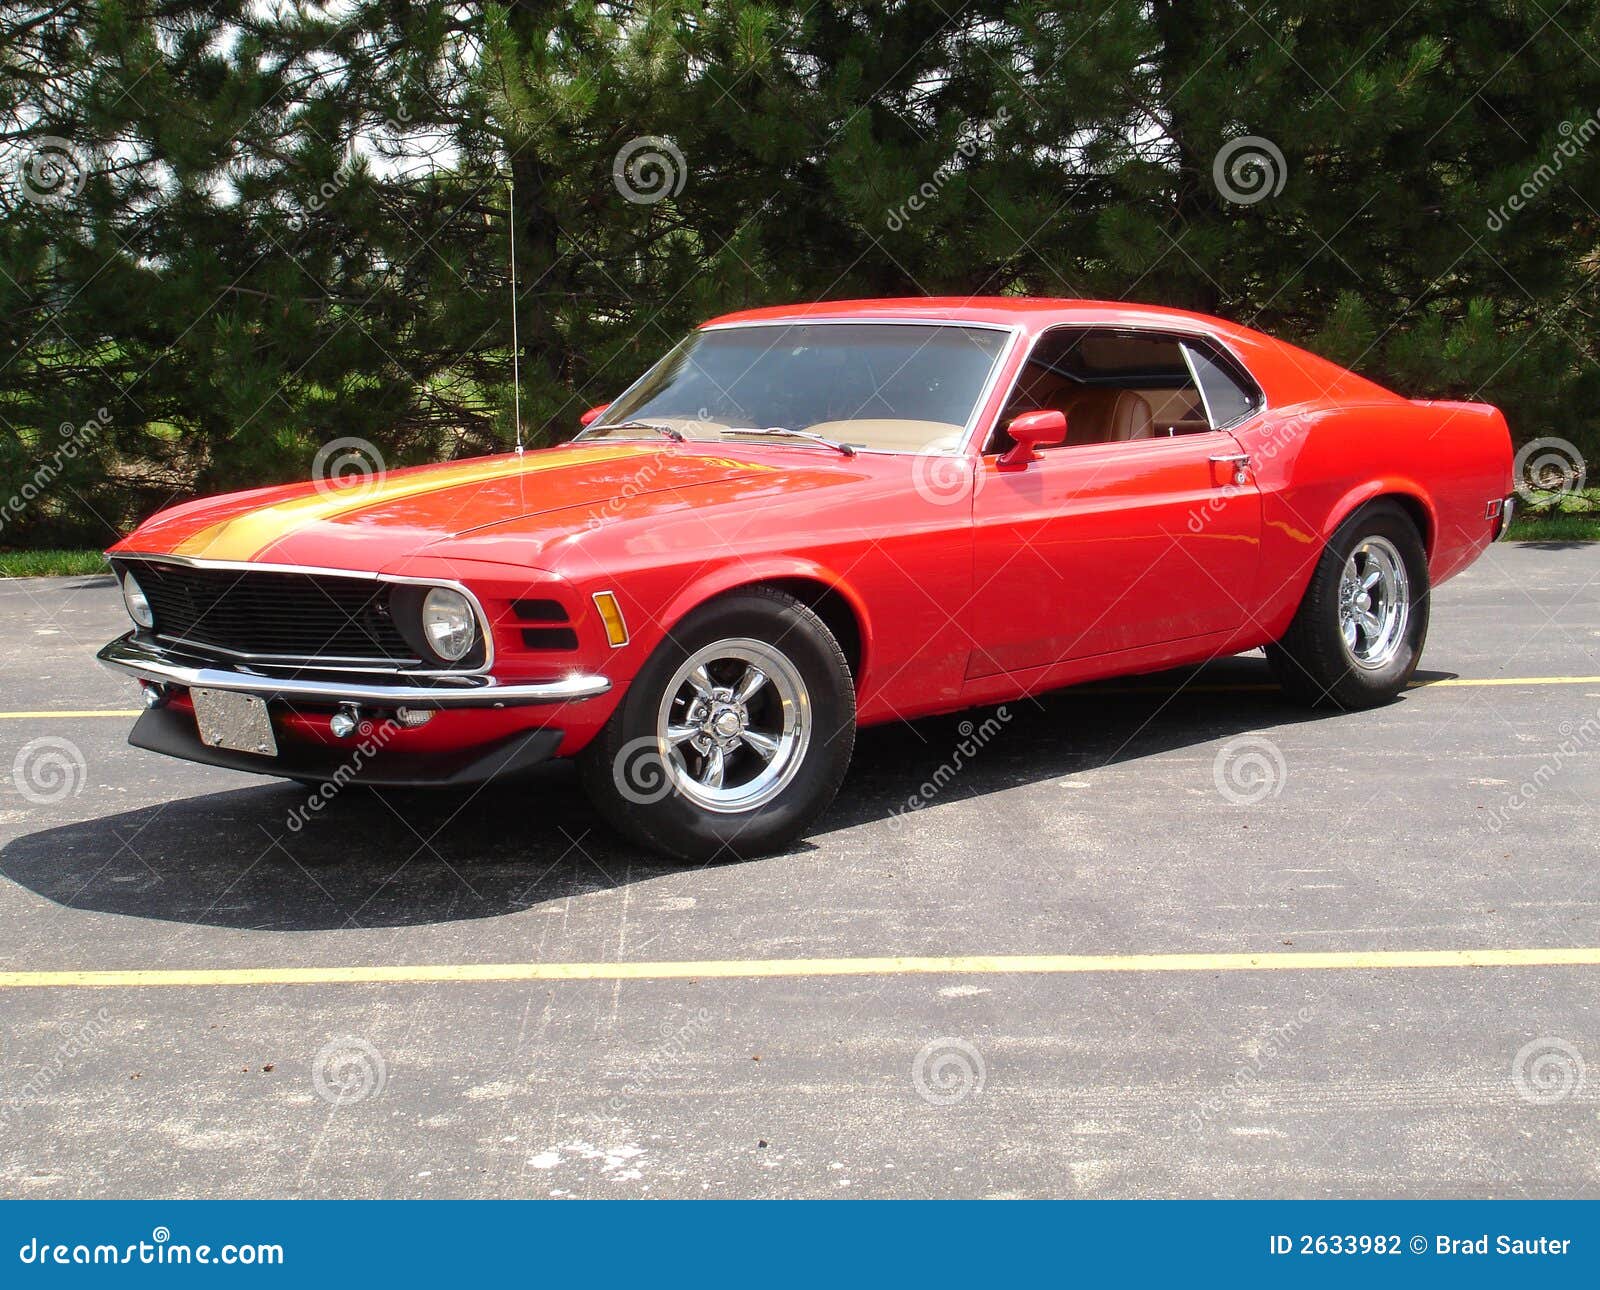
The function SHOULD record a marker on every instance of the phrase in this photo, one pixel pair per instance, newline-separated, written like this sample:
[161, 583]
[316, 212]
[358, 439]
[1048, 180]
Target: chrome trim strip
[148, 663]
[250, 566]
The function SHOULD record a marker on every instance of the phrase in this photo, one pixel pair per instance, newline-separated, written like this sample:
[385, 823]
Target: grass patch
[41, 564]
[1556, 528]
[1565, 517]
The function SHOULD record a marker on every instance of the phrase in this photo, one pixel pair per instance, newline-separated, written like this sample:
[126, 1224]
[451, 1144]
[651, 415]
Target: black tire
[623, 771]
[1312, 661]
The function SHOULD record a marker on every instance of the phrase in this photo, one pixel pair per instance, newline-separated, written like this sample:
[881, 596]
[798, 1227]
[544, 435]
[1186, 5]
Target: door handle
[1240, 461]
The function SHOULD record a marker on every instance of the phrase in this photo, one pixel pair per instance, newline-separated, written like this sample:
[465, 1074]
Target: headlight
[448, 623]
[138, 607]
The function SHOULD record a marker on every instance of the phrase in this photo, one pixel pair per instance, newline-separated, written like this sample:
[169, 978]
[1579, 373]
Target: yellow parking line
[1509, 680]
[1202, 688]
[67, 712]
[1247, 687]
[953, 965]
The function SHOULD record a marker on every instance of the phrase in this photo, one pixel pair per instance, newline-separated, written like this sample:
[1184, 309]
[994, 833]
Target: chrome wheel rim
[1374, 603]
[734, 725]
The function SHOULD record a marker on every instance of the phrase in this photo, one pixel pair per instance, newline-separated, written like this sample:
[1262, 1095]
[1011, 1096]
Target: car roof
[1010, 311]
[1288, 373]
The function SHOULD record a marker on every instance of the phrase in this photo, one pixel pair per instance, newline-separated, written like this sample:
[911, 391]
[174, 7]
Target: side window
[1226, 398]
[1113, 386]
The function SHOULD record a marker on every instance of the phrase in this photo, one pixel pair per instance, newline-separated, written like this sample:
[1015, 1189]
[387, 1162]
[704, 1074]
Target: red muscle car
[801, 521]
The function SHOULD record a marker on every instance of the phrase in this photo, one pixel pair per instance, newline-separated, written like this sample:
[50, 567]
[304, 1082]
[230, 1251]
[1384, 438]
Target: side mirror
[1032, 430]
[593, 414]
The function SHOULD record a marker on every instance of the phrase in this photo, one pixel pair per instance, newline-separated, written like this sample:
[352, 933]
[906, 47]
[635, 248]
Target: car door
[1096, 548]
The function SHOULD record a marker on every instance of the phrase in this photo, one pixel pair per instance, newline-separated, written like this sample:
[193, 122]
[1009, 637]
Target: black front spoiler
[173, 732]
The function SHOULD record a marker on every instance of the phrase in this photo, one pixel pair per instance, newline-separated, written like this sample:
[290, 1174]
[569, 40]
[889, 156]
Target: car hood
[370, 523]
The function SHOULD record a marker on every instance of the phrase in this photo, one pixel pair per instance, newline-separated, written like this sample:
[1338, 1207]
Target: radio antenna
[516, 345]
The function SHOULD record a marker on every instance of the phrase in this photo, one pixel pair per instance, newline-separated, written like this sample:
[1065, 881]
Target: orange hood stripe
[245, 536]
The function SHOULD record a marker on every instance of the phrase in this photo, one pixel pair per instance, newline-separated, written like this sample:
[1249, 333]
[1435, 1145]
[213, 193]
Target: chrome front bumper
[152, 663]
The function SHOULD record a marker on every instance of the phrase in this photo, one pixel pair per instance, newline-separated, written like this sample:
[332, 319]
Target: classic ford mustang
[801, 521]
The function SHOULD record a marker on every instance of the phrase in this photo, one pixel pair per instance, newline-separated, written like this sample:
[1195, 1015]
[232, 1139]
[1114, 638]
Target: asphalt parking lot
[1177, 815]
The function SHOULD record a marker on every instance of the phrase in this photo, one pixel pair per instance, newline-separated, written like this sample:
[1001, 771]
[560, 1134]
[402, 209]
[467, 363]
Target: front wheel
[1357, 636]
[735, 735]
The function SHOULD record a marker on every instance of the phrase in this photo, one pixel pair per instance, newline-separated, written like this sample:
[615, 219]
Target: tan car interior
[1103, 412]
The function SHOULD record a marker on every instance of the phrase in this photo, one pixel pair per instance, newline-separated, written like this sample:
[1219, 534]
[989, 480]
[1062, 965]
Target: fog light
[411, 718]
[344, 722]
[153, 693]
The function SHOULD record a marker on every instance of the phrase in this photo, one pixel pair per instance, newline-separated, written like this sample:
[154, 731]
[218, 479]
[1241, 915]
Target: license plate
[236, 721]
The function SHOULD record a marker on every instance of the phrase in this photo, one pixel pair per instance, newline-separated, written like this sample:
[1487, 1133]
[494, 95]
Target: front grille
[272, 614]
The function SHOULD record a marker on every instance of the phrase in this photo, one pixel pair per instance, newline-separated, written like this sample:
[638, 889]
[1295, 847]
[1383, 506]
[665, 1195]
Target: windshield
[903, 387]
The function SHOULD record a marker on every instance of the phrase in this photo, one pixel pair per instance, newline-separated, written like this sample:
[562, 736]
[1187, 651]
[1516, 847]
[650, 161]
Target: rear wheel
[734, 736]
[1358, 634]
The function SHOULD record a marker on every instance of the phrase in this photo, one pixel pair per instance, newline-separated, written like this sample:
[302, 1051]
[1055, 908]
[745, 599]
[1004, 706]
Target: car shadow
[254, 858]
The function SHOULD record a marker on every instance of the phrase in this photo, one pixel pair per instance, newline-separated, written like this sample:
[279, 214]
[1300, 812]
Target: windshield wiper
[671, 432]
[787, 433]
